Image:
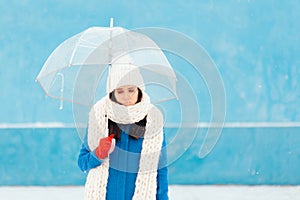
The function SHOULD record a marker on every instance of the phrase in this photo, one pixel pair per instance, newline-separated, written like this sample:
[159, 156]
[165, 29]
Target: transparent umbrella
[90, 53]
[77, 69]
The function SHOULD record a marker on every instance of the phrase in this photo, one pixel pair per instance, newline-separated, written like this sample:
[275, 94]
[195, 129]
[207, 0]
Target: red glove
[105, 147]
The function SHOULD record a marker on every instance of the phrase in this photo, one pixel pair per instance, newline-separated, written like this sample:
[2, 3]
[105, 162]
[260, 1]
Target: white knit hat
[123, 72]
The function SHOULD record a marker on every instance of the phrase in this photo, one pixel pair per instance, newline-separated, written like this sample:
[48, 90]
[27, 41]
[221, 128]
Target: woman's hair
[137, 129]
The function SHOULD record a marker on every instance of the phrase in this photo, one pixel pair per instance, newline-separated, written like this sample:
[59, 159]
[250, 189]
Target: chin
[128, 104]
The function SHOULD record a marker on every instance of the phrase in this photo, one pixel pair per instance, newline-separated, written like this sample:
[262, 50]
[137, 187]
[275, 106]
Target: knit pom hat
[123, 72]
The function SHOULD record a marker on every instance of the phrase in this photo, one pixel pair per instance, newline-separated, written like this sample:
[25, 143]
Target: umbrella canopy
[77, 69]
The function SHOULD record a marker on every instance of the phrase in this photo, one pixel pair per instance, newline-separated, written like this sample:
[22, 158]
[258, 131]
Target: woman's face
[126, 95]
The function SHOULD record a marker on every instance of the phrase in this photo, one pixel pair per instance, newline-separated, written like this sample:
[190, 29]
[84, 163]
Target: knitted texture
[145, 185]
[123, 72]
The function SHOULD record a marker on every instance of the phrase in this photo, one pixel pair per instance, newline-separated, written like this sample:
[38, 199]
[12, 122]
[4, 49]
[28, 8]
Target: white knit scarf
[145, 185]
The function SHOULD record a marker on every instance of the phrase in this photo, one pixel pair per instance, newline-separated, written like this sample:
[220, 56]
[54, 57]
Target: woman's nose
[127, 95]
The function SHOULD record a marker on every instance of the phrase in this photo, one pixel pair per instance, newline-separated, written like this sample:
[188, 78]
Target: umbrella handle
[61, 104]
[106, 125]
[111, 24]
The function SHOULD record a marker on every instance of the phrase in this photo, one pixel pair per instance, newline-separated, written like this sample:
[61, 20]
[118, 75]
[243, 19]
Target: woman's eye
[131, 90]
[120, 92]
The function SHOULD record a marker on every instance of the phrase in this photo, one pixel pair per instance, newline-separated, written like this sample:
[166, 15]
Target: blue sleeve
[87, 158]
[162, 175]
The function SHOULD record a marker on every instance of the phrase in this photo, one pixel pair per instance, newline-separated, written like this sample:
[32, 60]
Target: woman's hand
[105, 147]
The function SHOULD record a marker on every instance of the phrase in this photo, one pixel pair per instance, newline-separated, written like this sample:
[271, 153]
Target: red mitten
[105, 147]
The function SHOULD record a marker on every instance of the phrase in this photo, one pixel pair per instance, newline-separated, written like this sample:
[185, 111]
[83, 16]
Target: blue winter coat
[123, 167]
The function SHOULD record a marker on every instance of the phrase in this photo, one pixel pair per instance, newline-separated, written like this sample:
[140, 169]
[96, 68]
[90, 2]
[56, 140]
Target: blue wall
[255, 45]
[242, 156]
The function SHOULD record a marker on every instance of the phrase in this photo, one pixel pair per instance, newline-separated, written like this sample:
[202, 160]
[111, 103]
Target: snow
[177, 192]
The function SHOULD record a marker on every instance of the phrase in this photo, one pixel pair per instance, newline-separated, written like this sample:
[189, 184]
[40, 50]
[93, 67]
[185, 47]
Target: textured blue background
[242, 156]
[255, 45]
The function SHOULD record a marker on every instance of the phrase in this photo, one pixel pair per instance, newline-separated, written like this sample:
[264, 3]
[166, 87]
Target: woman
[130, 161]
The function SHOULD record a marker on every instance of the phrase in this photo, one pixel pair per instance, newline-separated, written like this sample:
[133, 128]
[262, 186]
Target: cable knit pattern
[145, 185]
[128, 114]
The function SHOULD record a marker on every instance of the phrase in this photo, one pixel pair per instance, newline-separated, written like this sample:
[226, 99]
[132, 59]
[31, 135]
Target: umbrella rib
[63, 67]
[91, 43]
[74, 50]
[87, 46]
